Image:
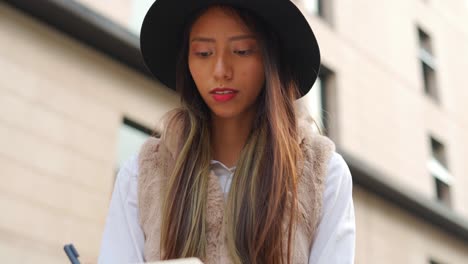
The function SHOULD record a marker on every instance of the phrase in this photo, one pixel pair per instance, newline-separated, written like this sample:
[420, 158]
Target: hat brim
[165, 20]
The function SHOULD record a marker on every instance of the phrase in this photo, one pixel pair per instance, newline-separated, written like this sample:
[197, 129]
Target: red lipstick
[223, 94]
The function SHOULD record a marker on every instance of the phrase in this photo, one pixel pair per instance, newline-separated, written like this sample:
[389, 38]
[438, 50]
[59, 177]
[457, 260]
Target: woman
[237, 176]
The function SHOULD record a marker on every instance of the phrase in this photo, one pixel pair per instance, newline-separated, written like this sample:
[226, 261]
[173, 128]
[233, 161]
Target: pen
[72, 254]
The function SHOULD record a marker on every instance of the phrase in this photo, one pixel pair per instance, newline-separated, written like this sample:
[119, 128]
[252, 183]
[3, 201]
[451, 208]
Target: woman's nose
[222, 68]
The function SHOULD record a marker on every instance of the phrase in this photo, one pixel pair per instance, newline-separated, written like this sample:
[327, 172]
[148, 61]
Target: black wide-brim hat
[164, 23]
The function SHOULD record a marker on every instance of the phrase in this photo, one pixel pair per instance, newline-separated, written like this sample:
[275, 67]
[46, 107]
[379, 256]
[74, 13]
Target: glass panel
[443, 192]
[439, 171]
[425, 42]
[313, 103]
[429, 80]
[438, 151]
[427, 58]
[130, 141]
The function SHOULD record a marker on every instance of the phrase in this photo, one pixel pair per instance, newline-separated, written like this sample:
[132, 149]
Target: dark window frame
[442, 188]
[428, 65]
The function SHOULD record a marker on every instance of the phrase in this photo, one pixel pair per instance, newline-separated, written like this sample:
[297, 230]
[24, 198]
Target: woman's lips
[223, 94]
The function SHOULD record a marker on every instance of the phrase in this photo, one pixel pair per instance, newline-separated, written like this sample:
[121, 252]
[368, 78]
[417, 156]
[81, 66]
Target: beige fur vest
[155, 160]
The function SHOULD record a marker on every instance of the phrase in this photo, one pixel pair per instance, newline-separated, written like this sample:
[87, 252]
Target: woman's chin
[233, 111]
[224, 113]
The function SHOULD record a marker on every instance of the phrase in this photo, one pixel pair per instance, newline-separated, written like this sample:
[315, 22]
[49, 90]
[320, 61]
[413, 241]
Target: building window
[318, 101]
[131, 137]
[321, 8]
[438, 168]
[137, 14]
[428, 65]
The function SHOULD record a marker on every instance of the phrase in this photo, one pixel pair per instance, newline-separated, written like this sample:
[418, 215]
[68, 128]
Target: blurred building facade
[76, 101]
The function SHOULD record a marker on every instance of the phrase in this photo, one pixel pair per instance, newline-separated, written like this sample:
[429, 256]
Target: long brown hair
[261, 205]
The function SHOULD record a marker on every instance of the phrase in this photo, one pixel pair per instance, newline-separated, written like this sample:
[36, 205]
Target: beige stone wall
[388, 235]
[61, 105]
[384, 116]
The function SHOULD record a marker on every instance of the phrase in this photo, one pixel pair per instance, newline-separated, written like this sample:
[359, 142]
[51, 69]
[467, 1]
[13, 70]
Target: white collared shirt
[334, 243]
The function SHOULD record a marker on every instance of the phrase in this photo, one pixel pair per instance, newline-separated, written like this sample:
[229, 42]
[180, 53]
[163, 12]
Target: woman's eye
[203, 54]
[243, 52]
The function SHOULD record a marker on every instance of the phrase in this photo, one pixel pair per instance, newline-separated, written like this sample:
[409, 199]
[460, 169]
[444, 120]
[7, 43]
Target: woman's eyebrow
[240, 37]
[202, 39]
[233, 38]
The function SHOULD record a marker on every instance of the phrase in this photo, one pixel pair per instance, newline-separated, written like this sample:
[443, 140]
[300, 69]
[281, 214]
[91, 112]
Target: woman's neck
[228, 137]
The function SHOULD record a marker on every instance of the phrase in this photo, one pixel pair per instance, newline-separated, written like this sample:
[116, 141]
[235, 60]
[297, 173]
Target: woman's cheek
[196, 73]
[256, 74]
